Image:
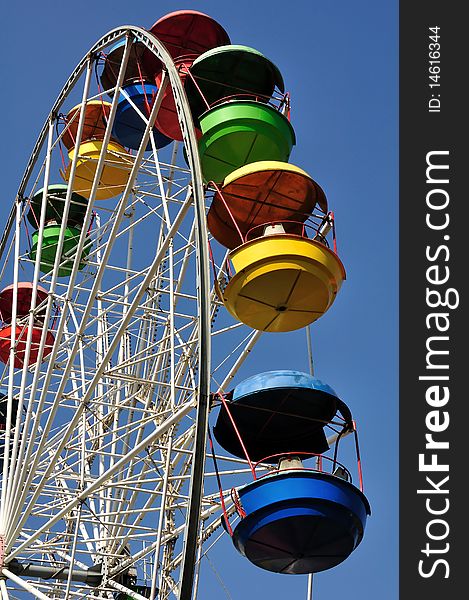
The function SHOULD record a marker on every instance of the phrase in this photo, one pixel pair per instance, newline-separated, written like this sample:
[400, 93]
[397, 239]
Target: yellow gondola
[282, 282]
[115, 173]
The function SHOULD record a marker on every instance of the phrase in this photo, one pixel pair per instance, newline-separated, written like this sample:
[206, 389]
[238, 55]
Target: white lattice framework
[105, 479]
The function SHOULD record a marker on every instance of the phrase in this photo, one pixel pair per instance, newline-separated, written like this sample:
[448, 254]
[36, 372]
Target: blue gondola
[128, 125]
[279, 411]
[300, 521]
[294, 520]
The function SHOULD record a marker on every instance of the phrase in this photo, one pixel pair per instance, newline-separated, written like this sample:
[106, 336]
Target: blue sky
[339, 62]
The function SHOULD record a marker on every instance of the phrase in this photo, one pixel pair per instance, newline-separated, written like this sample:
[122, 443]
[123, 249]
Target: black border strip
[433, 273]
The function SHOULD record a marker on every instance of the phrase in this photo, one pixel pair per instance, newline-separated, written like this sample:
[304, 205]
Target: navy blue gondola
[129, 126]
[294, 520]
[300, 521]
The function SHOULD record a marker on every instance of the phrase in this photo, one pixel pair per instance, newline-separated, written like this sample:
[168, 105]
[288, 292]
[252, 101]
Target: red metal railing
[333, 462]
[279, 101]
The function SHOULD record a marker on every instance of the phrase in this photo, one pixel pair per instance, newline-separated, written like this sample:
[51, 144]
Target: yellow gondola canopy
[262, 192]
[115, 173]
[282, 282]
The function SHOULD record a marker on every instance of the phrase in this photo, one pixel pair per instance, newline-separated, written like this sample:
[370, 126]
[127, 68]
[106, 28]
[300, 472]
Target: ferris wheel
[128, 310]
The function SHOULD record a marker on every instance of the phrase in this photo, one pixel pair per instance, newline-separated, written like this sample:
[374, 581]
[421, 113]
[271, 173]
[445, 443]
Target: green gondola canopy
[231, 71]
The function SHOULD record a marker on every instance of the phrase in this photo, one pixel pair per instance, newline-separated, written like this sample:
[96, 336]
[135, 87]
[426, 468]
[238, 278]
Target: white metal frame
[105, 465]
